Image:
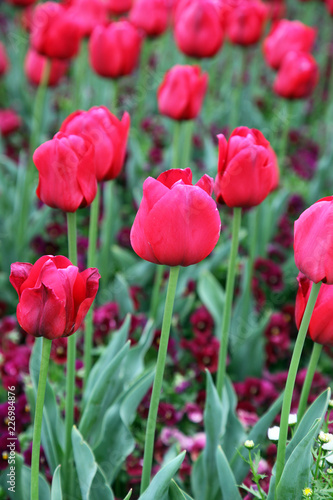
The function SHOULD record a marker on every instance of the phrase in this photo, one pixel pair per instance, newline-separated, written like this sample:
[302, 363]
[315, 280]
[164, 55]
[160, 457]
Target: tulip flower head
[67, 172]
[182, 91]
[119, 6]
[297, 76]
[247, 169]
[108, 135]
[313, 241]
[54, 296]
[177, 224]
[4, 63]
[34, 66]
[156, 22]
[245, 22]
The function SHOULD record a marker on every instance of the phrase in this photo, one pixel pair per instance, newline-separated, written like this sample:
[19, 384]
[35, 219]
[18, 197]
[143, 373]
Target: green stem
[106, 236]
[80, 69]
[281, 451]
[114, 102]
[142, 85]
[240, 62]
[187, 144]
[44, 364]
[228, 300]
[71, 356]
[91, 262]
[157, 386]
[175, 144]
[34, 137]
[284, 133]
[156, 291]
[316, 351]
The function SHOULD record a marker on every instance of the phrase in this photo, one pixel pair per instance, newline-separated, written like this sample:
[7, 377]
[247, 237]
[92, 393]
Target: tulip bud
[297, 76]
[34, 66]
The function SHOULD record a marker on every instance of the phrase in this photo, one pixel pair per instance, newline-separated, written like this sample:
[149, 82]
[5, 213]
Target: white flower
[292, 419]
[273, 433]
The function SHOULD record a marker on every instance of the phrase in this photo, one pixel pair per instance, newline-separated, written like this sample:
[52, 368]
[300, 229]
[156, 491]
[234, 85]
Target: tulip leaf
[212, 296]
[134, 361]
[176, 493]
[117, 342]
[100, 488]
[159, 487]
[302, 439]
[53, 432]
[257, 434]
[227, 480]
[234, 434]
[56, 491]
[128, 496]
[107, 390]
[116, 441]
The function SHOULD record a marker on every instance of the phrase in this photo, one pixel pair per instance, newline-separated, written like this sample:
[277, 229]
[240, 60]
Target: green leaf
[257, 434]
[100, 489]
[128, 496]
[212, 296]
[85, 462]
[158, 488]
[176, 493]
[56, 492]
[134, 362]
[227, 480]
[53, 431]
[234, 434]
[105, 391]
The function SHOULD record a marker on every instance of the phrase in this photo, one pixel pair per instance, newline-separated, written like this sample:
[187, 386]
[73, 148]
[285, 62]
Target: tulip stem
[106, 235]
[157, 386]
[71, 357]
[286, 405]
[188, 130]
[175, 144]
[156, 291]
[34, 135]
[44, 364]
[316, 351]
[228, 300]
[91, 262]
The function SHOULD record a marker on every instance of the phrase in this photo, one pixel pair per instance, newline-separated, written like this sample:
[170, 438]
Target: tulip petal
[90, 279]
[19, 272]
[170, 177]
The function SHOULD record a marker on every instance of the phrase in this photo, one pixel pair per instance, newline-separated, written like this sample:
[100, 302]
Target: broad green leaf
[134, 361]
[56, 491]
[212, 296]
[117, 342]
[257, 434]
[176, 493]
[104, 393]
[85, 463]
[234, 434]
[128, 496]
[53, 431]
[159, 487]
[227, 480]
[100, 489]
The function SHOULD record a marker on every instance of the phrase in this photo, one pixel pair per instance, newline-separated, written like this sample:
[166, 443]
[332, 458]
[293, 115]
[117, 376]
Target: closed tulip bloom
[21, 3]
[34, 66]
[313, 241]
[329, 6]
[9, 121]
[156, 22]
[119, 6]
[297, 76]
[66, 166]
[246, 21]
[114, 50]
[4, 63]
[54, 296]
[108, 135]
[247, 169]
[182, 91]
[87, 14]
[198, 29]
[177, 224]
[53, 32]
[284, 37]
[321, 323]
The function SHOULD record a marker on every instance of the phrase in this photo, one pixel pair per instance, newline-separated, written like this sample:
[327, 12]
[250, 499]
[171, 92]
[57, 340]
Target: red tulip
[177, 224]
[329, 6]
[108, 135]
[313, 241]
[21, 3]
[9, 121]
[119, 6]
[297, 76]
[284, 37]
[4, 63]
[246, 21]
[247, 169]
[53, 32]
[198, 29]
[87, 14]
[34, 66]
[66, 166]
[114, 50]
[156, 22]
[54, 296]
[321, 323]
[182, 91]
